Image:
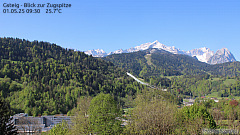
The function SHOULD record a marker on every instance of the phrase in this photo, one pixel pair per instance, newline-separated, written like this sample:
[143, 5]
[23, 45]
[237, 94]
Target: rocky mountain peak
[203, 54]
[221, 56]
[224, 51]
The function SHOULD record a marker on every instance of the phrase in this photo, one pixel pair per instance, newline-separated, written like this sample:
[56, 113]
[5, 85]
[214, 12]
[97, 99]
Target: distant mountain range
[155, 62]
[202, 54]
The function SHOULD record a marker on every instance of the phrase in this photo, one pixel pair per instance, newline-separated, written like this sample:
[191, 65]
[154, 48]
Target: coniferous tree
[6, 125]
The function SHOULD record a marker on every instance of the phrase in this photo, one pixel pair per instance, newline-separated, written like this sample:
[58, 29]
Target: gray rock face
[221, 56]
[202, 54]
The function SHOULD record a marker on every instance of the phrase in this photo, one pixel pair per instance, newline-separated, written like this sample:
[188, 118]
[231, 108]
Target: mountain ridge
[221, 56]
[154, 63]
[203, 54]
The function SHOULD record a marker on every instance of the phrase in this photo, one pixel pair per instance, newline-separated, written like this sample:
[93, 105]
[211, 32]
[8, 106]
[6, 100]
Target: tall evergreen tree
[6, 125]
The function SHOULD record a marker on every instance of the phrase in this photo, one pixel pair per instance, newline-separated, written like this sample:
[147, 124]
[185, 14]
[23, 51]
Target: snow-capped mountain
[202, 54]
[146, 46]
[221, 56]
[96, 53]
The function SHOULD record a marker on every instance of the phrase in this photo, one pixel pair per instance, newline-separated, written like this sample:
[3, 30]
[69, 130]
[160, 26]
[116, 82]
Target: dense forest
[153, 62]
[181, 74]
[43, 78]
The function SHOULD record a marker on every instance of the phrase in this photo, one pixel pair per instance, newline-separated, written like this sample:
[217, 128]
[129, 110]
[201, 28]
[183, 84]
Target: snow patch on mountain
[202, 54]
[146, 46]
[96, 53]
[221, 56]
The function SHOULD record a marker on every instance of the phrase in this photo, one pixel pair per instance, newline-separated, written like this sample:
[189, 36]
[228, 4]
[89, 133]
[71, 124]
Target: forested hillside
[229, 69]
[154, 62]
[40, 78]
[181, 74]
[44, 78]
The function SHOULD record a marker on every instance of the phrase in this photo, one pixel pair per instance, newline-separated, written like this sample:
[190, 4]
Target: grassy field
[148, 58]
[228, 82]
[224, 123]
[215, 79]
[215, 95]
[237, 97]
[170, 77]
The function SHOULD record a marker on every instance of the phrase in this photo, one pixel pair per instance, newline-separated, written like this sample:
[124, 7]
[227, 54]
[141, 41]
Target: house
[30, 124]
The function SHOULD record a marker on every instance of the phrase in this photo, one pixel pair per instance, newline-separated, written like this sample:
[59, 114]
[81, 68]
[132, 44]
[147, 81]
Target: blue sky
[116, 24]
